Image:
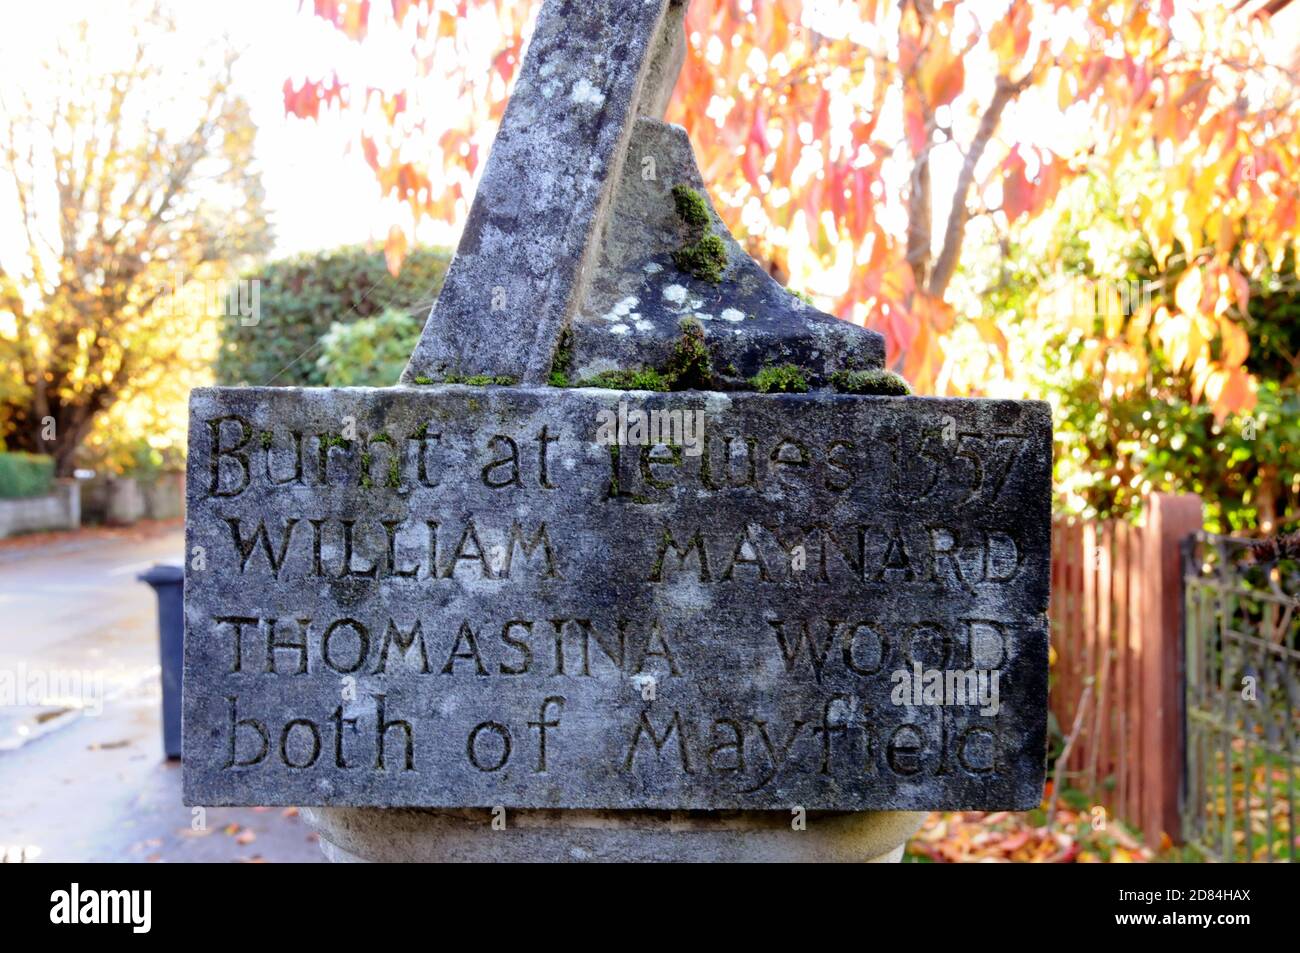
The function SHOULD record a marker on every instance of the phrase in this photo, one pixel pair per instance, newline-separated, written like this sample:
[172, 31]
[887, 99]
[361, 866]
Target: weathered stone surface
[766, 591]
[592, 67]
[574, 228]
[638, 296]
[466, 835]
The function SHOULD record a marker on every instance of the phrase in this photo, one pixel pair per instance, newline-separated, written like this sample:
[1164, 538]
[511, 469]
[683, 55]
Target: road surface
[82, 771]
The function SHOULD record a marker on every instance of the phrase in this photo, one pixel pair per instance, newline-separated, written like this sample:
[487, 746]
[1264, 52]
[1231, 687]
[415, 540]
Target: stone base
[406, 835]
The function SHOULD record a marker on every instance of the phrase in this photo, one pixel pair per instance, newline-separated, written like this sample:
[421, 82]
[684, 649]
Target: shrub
[25, 474]
[371, 352]
[301, 299]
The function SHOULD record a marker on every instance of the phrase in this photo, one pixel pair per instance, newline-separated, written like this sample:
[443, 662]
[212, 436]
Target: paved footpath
[85, 778]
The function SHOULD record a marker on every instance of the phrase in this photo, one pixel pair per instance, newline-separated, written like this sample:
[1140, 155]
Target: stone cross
[577, 559]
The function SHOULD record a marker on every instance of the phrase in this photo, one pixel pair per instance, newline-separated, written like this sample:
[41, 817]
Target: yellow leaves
[1239, 286]
[1188, 291]
[1236, 343]
[947, 82]
[1009, 37]
[395, 249]
[942, 73]
[1064, 91]
[1202, 340]
[991, 334]
[932, 317]
[1231, 392]
[1112, 310]
[1017, 192]
[924, 358]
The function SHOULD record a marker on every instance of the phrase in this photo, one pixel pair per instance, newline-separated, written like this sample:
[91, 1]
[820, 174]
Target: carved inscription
[459, 597]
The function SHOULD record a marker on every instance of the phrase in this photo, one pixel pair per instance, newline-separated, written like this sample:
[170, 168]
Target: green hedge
[371, 352]
[25, 474]
[301, 298]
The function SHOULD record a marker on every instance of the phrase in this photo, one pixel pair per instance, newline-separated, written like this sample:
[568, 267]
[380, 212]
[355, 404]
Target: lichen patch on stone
[622, 309]
[584, 92]
[675, 294]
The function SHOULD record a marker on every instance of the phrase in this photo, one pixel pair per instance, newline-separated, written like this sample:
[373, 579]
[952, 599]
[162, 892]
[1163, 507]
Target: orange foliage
[840, 113]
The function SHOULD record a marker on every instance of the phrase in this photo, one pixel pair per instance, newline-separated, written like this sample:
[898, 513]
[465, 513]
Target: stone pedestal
[406, 835]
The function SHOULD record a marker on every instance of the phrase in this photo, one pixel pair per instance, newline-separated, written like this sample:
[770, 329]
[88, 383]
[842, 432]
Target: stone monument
[578, 588]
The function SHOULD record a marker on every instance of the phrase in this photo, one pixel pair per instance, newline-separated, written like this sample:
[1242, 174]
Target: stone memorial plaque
[478, 590]
[526, 597]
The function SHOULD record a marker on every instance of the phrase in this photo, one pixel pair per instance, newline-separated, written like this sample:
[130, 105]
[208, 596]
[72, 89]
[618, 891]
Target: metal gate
[1242, 663]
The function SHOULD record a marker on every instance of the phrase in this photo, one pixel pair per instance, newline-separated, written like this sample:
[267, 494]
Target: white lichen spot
[619, 329]
[643, 681]
[584, 92]
[621, 310]
[731, 314]
[703, 316]
[653, 268]
[675, 294]
[716, 402]
[644, 326]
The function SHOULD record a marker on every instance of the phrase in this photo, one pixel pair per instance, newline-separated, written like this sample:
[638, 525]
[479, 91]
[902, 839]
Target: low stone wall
[125, 504]
[164, 498]
[122, 501]
[58, 510]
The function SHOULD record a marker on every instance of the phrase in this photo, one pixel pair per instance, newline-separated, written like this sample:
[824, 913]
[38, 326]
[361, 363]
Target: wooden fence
[1117, 632]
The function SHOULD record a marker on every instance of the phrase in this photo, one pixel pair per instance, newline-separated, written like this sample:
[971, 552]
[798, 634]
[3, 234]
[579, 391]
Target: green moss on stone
[562, 362]
[705, 255]
[691, 207]
[783, 379]
[266, 440]
[481, 380]
[706, 259]
[645, 378]
[690, 367]
[883, 383]
[424, 380]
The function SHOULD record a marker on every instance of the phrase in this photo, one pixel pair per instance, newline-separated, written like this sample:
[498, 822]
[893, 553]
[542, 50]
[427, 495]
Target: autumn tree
[131, 185]
[852, 147]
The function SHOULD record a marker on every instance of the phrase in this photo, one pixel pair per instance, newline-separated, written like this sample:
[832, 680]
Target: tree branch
[959, 214]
